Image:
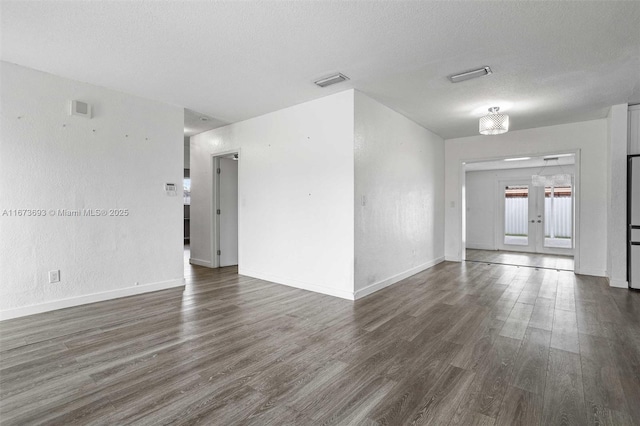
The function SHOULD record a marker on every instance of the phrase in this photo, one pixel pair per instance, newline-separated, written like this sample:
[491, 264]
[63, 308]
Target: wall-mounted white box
[83, 109]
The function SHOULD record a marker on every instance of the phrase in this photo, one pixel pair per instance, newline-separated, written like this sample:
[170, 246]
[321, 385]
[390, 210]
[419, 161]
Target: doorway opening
[196, 123]
[522, 211]
[225, 210]
[186, 197]
[537, 219]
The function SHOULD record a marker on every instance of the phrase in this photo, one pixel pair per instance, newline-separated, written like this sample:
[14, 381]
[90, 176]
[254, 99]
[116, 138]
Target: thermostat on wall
[170, 189]
[83, 109]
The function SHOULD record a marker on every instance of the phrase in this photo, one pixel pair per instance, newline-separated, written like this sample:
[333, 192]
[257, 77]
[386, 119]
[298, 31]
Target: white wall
[399, 177]
[617, 195]
[119, 159]
[483, 202]
[296, 194]
[590, 137]
[633, 129]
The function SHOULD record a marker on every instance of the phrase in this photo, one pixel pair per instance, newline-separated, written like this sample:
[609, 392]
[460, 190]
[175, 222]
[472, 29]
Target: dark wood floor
[537, 260]
[459, 344]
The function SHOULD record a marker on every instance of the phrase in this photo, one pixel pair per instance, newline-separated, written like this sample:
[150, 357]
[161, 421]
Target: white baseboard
[480, 246]
[343, 294]
[591, 272]
[201, 262]
[396, 278]
[89, 298]
[452, 259]
[618, 283]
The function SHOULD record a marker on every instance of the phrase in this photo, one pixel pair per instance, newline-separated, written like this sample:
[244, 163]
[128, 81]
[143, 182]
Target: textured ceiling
[195, 122]
[553, 62]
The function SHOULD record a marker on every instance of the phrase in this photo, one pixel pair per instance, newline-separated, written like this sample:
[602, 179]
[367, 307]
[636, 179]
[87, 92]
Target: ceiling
[521, 163]
[553, 62]
[195, 123]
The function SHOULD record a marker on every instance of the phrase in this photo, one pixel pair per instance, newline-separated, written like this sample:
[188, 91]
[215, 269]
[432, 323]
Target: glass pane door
[558, 213]
[516, 215]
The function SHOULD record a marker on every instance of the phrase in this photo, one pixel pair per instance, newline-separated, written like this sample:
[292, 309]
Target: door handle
[539, 221]
[533, 221]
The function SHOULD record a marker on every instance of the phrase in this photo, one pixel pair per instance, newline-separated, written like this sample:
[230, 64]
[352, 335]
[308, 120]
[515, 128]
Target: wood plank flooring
[459, 344]
[537, 260]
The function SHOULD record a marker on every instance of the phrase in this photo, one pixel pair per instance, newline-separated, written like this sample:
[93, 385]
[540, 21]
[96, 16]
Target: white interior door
[227, 212]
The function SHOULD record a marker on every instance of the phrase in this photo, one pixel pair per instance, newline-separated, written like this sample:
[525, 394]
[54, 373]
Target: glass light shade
[494, 124]
[539, 180]
[554, 180]
[561, 180]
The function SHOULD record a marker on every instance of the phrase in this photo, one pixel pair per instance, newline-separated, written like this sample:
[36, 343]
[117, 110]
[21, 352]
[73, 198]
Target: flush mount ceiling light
[332, 79]
[494, 123]
[468, 75]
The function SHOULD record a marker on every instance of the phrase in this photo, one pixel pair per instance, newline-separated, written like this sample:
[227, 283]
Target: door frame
[576, 199]
[215, 198]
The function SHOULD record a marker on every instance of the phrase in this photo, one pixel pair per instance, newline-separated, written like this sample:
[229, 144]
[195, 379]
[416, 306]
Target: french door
[536, 219]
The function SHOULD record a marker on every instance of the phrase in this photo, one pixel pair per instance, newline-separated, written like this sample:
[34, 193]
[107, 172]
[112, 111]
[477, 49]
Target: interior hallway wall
[617, 148]
[118, 160]
[399, 202]
[296, 194]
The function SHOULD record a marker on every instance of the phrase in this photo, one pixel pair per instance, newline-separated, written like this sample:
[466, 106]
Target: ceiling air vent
[468, 75]
[328, 81]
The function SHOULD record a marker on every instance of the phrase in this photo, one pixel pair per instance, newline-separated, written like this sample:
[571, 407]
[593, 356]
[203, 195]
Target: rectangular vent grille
[338, 78]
